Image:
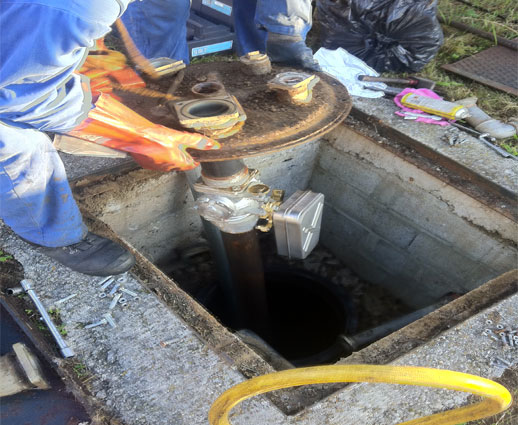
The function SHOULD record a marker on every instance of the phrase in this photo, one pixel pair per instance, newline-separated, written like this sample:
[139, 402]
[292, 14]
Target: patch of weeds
[62, 330]
[513, 150]
[4, 256]
[214, 58]
[55, 315]
[43, 328]
[80, 370]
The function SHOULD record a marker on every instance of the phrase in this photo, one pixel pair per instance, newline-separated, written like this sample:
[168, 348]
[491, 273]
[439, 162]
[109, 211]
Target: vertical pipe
[224, 277]
[241, 265]
[246, 269]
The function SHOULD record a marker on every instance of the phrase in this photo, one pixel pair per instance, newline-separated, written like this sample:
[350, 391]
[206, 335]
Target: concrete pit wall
[400, 227]
[391, 222]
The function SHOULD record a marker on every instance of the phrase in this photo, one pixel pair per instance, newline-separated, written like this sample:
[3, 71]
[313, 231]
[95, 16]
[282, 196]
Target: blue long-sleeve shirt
[42, 43]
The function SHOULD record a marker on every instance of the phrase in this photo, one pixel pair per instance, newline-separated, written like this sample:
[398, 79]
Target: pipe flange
[216, 117]
[166, 66]
[294, 87]
[256, 63]
[208, 89]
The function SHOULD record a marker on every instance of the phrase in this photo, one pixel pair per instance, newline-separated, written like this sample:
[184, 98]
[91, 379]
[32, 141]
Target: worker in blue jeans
[42, 43]
[277, 27]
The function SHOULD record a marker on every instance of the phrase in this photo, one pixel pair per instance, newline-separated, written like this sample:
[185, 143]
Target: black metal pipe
[500, 41]
[247, 273]
[243, 282]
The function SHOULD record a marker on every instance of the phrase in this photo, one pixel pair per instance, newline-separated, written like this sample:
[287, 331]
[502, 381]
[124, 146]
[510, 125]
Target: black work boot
[94, 255]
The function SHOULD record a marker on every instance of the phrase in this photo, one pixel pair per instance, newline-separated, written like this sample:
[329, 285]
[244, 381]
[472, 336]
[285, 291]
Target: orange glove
[153, 146]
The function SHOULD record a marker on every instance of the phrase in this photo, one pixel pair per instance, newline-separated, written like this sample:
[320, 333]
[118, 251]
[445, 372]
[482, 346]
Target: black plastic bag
[389, 35]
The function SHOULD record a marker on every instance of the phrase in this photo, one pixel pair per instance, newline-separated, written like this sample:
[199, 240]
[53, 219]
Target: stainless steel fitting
[114, 289]
[66, 351]
[107, 282]
[114, 301]
[130, 293]
[95, 324]
[64, 300]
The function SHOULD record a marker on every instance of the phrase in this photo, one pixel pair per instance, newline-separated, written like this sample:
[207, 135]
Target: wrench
[66, 351]
[483, 137]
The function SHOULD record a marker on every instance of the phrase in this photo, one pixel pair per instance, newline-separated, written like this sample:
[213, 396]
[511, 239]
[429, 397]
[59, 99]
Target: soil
[11, 271]
[288, 124]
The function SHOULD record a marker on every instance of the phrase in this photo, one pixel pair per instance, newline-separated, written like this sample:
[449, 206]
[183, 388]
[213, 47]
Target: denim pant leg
[286, 17]
[35, 197]
[159, 27]
[249, 36]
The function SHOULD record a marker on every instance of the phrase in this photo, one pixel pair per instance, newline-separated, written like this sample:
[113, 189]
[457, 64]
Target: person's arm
[41, 45]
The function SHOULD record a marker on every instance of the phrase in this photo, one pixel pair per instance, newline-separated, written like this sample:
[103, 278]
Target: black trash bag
[389, 35]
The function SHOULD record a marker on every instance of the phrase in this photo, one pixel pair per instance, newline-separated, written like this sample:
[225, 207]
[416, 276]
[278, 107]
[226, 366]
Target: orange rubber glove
[153, 146]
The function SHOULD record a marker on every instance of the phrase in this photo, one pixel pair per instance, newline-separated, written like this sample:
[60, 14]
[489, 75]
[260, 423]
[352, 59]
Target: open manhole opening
[307, 314]
[311, 303]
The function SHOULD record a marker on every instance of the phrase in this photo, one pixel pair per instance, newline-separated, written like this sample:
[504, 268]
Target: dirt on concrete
[288, 124]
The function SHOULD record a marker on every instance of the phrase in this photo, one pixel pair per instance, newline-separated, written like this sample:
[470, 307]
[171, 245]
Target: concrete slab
[139, 381]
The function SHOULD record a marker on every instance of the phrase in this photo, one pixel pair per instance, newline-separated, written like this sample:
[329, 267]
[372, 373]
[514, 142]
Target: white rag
[346, 68]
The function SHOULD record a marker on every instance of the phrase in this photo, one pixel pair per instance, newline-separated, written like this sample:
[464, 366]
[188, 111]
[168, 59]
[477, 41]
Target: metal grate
[496, 67]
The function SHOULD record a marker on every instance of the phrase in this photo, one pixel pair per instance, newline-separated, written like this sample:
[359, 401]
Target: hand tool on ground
[66, 351]
[392, 91]
[486, 139]
[417, 82]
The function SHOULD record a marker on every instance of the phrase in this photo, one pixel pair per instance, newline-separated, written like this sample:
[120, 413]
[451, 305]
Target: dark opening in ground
[311, 302]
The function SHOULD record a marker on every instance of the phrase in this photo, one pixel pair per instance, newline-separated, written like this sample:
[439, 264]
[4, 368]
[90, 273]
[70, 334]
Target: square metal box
[297, 224]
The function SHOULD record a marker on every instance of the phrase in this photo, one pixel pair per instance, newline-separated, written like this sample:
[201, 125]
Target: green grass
[500, 19]
[80, 370]
[4, 256]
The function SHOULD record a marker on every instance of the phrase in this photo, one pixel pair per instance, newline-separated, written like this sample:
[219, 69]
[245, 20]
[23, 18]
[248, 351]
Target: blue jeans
[35, 198]
[158, 27]
[42, 43]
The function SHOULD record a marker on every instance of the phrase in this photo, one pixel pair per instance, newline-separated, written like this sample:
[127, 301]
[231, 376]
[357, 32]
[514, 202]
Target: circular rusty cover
[270, 125]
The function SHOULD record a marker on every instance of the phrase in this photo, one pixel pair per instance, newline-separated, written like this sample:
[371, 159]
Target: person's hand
[153, 146]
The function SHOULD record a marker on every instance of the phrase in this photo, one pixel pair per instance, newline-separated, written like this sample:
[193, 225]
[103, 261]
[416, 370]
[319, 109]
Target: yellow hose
[497, 398]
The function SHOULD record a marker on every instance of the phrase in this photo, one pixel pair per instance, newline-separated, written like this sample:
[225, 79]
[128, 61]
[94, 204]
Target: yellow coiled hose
[497, 398]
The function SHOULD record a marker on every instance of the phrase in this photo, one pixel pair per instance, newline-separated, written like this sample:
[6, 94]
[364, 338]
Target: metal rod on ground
[498, 40]
[66, 351]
